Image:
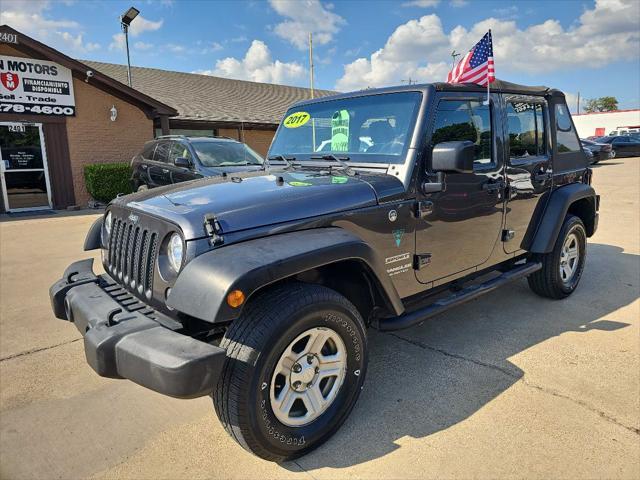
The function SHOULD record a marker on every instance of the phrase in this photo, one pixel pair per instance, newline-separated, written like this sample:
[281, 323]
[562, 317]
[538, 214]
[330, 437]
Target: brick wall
[94, 138]
[259, 140]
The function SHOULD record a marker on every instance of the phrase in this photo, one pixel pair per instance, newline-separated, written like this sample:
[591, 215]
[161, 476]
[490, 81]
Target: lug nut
[309, 359]
[317, 369]
[296, 385]
[297, 368]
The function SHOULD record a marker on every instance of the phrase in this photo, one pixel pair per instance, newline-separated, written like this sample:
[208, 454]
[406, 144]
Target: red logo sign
[9, 80]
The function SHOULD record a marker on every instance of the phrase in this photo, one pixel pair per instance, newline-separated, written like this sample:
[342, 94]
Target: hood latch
[213, 229]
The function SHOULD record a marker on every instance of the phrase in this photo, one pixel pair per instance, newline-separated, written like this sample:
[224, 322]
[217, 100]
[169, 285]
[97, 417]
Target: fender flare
[202, 286]
[554, 214]
[93, 240]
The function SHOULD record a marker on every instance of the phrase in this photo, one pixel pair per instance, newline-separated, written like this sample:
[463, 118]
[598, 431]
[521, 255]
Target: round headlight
[175, 252]
[107, 223]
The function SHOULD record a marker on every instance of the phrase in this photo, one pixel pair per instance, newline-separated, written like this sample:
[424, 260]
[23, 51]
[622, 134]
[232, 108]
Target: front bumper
[124, 338]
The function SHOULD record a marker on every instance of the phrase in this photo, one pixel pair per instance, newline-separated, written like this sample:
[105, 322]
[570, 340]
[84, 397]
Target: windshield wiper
[287, 161]
[339, 160]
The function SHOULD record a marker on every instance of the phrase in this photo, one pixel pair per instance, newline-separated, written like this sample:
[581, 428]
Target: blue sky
[591, 47]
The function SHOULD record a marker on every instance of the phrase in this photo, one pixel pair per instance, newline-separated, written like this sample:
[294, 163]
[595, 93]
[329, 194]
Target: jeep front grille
[132, 253]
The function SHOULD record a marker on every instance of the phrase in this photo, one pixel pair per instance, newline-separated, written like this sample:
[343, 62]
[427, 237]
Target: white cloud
[76, 43]
[420, 49]
[175, 48]
[306, 16]
[143, 46]
[31, 18]
[258, 66]
[421, 3]
[118, 42]
[140, 25]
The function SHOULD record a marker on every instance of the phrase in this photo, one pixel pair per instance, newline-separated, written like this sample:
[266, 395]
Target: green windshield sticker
[300, 184]
[296, 119]
[339, 179]
[340, 131]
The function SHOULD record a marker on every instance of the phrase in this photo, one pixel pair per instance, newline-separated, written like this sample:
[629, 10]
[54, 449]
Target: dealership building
[58, 114]
[606, 123]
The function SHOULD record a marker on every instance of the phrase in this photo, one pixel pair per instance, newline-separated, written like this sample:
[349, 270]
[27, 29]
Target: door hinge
[507, 235]
[423, 208]
[421, 260]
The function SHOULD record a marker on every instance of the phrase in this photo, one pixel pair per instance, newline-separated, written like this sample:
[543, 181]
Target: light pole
[125, 21]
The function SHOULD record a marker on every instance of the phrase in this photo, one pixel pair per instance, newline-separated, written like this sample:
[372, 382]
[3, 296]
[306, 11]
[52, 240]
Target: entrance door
[23, 167]
[465, 219]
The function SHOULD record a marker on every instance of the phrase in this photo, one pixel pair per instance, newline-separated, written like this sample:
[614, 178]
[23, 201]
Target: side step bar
[409, 319]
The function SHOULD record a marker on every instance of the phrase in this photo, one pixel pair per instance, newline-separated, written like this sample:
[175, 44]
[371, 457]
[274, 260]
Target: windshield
[375, 128]
[226, 154]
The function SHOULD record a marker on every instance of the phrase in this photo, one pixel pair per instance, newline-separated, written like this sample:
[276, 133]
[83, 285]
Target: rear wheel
[562, 267]
[296, 362]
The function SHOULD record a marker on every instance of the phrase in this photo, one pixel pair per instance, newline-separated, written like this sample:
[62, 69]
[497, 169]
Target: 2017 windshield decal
[296, 119]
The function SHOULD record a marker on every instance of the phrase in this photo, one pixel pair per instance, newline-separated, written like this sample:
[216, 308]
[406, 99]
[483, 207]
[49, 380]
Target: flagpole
[488, 79]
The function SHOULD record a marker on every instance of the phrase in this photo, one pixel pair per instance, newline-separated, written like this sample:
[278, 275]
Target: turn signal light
[235, 298]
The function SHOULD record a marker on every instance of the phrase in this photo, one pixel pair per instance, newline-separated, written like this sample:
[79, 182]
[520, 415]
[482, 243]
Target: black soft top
[501, 86]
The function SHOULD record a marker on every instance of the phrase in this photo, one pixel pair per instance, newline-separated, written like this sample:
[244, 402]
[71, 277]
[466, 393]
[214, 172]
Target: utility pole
[578, 103]
[409, 81]
[311, 63]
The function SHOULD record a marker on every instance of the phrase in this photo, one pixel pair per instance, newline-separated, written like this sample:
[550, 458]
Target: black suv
[176, 158]
[258, 289]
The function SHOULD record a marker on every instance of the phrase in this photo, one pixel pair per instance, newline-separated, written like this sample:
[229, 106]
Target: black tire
[548, 281]
[255, 342]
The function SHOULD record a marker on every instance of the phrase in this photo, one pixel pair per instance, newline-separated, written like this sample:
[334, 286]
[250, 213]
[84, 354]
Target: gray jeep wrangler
[376, 209]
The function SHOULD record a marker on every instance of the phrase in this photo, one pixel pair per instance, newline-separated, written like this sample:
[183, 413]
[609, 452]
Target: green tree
[602, 104]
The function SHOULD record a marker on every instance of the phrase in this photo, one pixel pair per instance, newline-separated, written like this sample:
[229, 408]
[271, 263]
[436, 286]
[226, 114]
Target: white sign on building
[35, 87]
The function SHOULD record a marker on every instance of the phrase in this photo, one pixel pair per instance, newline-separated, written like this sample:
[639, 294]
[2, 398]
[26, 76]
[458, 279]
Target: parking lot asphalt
[509, 385]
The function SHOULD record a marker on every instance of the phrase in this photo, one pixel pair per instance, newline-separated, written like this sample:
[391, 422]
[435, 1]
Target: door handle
[165, 170]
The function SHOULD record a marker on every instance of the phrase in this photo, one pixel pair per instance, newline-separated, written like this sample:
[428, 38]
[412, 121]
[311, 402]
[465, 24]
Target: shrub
[105, 181]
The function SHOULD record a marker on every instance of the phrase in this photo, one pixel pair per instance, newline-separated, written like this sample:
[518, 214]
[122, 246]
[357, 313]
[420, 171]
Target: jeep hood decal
[253, 199]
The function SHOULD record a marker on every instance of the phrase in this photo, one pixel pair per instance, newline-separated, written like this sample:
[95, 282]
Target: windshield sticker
[397, 236]
[339, 179]
[340, 131]
[296, 119]
[300, 184]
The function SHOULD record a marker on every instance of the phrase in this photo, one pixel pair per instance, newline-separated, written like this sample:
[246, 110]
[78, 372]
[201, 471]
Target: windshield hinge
[213, 229]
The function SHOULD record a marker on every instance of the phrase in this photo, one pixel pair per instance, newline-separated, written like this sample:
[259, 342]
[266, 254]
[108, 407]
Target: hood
[255, 199]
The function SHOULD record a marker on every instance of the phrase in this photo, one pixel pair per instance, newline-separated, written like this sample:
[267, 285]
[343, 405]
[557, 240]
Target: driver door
[459, 226]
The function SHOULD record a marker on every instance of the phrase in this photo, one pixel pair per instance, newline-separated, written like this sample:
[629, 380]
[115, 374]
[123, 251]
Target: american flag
[477, 65]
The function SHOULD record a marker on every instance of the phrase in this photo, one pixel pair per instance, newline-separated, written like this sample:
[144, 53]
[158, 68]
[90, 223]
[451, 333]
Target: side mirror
[182, 162]
[453, 157]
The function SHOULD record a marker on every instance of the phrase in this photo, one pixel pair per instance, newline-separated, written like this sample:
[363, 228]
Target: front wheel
[562, 267]
[296, 363]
